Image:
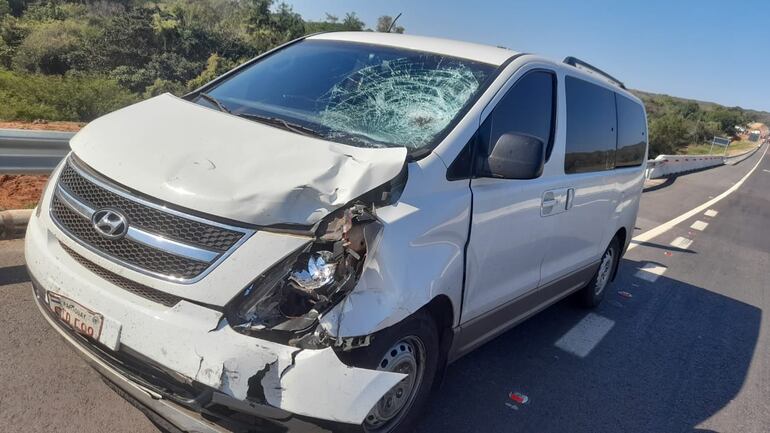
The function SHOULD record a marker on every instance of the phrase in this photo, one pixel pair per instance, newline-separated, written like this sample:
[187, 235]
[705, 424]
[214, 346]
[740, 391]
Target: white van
[307, 241]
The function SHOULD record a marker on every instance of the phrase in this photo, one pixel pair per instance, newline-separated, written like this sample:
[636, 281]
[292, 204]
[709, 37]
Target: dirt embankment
[20, 191]
[44, 126]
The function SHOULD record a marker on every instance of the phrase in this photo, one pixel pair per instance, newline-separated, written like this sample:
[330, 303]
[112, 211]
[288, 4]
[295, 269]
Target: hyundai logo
[109, 223]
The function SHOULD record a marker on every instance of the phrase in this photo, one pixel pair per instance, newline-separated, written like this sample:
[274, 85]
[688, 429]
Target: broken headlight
[286, 301]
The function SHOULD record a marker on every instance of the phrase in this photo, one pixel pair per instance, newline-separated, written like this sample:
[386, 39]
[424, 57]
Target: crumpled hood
[186, 154]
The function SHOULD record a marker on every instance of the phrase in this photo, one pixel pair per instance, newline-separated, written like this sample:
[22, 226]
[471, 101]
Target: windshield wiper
[214, 101]
[291, 126]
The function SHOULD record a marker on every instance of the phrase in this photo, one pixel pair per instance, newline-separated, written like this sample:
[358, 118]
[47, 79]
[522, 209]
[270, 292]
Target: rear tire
[593, 293]
[411, 347]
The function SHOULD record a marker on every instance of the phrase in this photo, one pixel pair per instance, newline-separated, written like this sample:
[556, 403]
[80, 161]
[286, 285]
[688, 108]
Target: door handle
[570, 198]
[548, 203]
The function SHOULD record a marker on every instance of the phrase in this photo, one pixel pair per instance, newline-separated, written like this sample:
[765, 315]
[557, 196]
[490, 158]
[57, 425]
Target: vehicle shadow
[13, 275]
[674, 355]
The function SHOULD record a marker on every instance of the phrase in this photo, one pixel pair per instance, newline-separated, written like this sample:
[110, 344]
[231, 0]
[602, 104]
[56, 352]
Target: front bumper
[183, 360]
[211, 412]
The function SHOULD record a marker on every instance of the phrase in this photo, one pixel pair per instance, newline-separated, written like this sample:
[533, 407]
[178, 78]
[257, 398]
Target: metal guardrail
[32, 152]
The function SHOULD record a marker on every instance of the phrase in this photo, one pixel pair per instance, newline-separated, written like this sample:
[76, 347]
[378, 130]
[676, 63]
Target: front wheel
[593, 293]
[411, 348]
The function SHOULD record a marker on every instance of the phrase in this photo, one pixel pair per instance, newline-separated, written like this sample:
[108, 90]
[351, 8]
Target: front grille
[124, 283]
[172, 245]
[157, 221]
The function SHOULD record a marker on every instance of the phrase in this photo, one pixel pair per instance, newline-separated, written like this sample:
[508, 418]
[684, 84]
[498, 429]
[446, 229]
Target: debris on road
[625, 294]
[512, 406]
[518, 397]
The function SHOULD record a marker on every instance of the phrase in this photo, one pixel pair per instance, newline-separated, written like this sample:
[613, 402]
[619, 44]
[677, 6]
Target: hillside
[676, 124]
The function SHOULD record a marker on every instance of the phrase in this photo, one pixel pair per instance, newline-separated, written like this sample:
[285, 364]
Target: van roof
[467, 50]
[478, 52]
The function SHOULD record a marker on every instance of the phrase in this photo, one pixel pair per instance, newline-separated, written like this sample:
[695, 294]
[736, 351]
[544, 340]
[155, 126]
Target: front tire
[593, 293]
[412, 348]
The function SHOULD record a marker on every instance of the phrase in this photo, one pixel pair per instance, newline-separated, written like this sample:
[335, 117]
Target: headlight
[285, 302]
[317, 272]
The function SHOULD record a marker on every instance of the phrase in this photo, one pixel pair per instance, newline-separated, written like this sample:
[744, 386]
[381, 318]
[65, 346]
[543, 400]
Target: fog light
[317, 273]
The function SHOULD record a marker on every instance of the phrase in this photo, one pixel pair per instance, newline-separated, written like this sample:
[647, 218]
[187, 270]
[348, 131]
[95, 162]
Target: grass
[736, 147]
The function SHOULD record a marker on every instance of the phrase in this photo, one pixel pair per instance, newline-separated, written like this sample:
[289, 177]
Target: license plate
[76, 316]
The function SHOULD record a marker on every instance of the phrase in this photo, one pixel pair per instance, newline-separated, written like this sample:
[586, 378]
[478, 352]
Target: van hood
[213, 162]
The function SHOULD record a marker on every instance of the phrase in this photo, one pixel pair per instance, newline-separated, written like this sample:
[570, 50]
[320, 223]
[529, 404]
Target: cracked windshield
[358, 94]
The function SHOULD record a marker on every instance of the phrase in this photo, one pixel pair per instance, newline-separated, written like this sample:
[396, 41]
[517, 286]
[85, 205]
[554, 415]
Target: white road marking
[586, 335]
[711, 213]
[668, 225]
[766, 170]
[681, 242]
[699, 225]
[650, 272]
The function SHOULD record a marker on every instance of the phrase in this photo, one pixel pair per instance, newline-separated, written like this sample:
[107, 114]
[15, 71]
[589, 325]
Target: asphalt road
[687, 352]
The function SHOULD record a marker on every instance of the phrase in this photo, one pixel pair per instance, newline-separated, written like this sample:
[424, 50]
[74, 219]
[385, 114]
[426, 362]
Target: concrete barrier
[666, 165]
[13, 223]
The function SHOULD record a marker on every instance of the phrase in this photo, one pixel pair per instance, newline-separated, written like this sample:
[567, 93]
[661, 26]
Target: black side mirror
[514, 156]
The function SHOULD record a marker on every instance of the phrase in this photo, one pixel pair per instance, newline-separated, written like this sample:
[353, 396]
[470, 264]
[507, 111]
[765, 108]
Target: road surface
[679, 345]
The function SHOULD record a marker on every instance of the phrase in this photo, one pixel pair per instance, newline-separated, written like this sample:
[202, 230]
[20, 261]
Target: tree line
[76, 60]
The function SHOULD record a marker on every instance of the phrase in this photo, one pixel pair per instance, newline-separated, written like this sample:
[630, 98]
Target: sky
[709, 50]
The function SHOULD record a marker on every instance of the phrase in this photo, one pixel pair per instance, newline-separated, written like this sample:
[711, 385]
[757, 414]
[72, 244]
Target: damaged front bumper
[186, 365]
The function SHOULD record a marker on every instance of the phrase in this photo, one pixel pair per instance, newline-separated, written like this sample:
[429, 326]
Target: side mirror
[514, 156]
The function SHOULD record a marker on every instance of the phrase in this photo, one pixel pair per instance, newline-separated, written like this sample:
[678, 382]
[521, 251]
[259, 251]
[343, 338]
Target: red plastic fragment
[518, 397]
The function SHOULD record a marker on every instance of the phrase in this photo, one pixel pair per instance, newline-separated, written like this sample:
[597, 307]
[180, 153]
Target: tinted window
[527, 108]
[632, 133]
[591, 127]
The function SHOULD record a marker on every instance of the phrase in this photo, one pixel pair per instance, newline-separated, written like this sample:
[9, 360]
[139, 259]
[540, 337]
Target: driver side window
[529, 108]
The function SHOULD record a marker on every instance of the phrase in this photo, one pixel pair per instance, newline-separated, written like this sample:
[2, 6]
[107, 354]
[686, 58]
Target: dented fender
[417, 256]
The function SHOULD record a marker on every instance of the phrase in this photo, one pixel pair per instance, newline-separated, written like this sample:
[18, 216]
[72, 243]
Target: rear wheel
[593, 293]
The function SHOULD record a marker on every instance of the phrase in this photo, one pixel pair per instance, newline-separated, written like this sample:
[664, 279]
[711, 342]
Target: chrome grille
[124, 283]
[182, 229]
[159, 241]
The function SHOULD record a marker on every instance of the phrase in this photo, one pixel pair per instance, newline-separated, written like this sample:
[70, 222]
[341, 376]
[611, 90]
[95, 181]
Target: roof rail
[574, 61]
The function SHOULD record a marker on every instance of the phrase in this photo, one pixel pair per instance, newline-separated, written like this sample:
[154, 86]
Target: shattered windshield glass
[359, 94]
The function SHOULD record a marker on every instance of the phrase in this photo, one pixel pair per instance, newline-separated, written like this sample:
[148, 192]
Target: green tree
[727, 118]
[17, 7]
[385, 22]
[667, 133]
[215, 66]
[160, 86]
[127, 39]
[49, 48]
[353, 23]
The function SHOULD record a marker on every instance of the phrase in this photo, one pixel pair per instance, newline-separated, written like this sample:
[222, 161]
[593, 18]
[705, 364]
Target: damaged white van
[304, 243]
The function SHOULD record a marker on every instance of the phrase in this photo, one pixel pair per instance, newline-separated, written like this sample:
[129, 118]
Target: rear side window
[632, 133]
[527, 108]
[591, 127]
